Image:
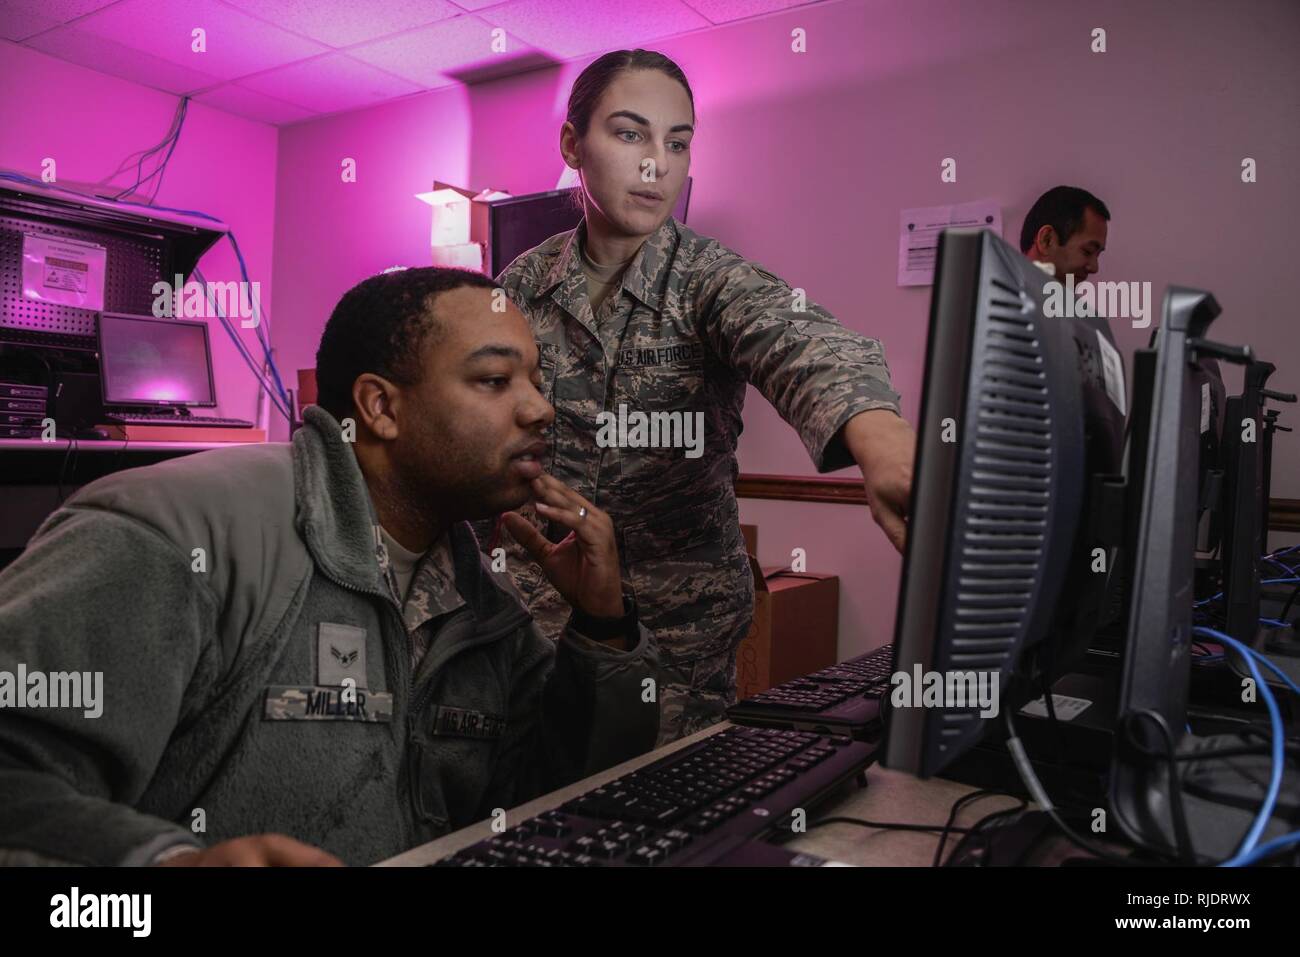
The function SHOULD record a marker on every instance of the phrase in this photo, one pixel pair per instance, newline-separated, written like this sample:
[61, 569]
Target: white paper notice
[1112, 370]
[66, 272]
[918, 235]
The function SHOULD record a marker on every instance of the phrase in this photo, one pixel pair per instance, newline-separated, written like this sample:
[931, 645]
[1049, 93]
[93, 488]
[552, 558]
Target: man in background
[1066, 227]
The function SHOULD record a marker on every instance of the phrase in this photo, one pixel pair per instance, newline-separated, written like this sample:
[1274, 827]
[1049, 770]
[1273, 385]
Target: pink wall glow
[330, 234]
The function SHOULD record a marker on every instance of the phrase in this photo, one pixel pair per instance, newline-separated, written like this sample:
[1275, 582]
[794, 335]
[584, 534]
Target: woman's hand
[884, 446]
[584, 567]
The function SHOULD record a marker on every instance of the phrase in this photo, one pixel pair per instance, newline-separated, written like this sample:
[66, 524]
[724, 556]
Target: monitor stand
[1220, 795]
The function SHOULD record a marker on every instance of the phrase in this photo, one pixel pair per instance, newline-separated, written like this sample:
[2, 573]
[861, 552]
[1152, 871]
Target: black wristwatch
[607, 629]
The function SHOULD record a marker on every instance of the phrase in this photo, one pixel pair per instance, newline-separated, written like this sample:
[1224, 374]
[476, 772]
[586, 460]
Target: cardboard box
[306, 390]
[460, 224]
[795, 629]
[459, 256]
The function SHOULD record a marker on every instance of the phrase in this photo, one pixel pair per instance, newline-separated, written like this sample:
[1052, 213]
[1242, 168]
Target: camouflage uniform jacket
[693, 323]
[225, 681]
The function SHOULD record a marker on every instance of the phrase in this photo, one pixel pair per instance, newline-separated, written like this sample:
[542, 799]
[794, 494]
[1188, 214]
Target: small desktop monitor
[154, 362]
[517, 224]
[1021, 428]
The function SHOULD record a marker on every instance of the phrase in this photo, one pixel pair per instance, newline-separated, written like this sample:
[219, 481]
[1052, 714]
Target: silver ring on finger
[582, 512]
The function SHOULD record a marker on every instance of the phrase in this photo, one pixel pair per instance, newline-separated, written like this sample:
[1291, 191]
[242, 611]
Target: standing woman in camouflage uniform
[635, 313]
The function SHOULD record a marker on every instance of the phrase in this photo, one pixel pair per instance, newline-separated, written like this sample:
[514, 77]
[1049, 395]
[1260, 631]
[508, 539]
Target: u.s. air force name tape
[314, 703]
[467, 723]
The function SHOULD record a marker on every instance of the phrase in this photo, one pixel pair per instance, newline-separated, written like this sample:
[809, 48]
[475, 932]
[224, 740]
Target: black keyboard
[821, 689]
[56, 340]
[844, 697]
[694, 806]
[147, 418]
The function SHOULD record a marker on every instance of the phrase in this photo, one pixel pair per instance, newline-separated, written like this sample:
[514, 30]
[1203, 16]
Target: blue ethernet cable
[1272, 847]
[1251, 840]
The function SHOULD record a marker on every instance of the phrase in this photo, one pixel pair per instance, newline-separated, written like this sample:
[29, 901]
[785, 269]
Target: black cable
[1056, 727]
[980, 832]
[885, 826]
[139, 172]
[140, 153]
[957, 806]
[168, 142]
[68, 453]
[161, 145]
[161, 171]
[1076, 839]
[1230, 751]
[1182, 836]
[1292, 749]
[1289, 602]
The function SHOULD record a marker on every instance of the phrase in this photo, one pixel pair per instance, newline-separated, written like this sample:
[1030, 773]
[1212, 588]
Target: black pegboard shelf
[142, 248]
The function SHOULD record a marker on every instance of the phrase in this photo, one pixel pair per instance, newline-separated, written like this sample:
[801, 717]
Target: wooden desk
[890, 797]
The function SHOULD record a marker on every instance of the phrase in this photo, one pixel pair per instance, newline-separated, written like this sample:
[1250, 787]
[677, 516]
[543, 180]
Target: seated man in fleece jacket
[305, 658]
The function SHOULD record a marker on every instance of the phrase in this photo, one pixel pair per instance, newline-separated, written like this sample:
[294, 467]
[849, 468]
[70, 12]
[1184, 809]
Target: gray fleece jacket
[257, 674]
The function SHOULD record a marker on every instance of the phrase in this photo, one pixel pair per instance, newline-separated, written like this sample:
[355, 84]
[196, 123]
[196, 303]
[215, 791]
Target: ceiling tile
[254, 106]
[274, 60]
[570, 28]
[724, 11]
[329, 84]
[96, 53]
[342, 23]
[426, 55]
[20, 19]
[237, 44]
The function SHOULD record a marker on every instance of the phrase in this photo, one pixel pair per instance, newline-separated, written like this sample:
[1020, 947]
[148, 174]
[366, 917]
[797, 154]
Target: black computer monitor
[154, 362]
[1271, 427]
[1207, 380]
[1243, 536]
[518, 223]
[1171, 789]
[1018, 434]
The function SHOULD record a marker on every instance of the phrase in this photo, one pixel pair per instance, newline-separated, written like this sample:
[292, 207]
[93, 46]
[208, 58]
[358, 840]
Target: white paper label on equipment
[1205, 407]
[1067, 708]
[1112, 369]
[66, 272]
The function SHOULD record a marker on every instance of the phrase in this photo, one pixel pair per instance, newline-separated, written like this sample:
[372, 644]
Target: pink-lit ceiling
[282, 61]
